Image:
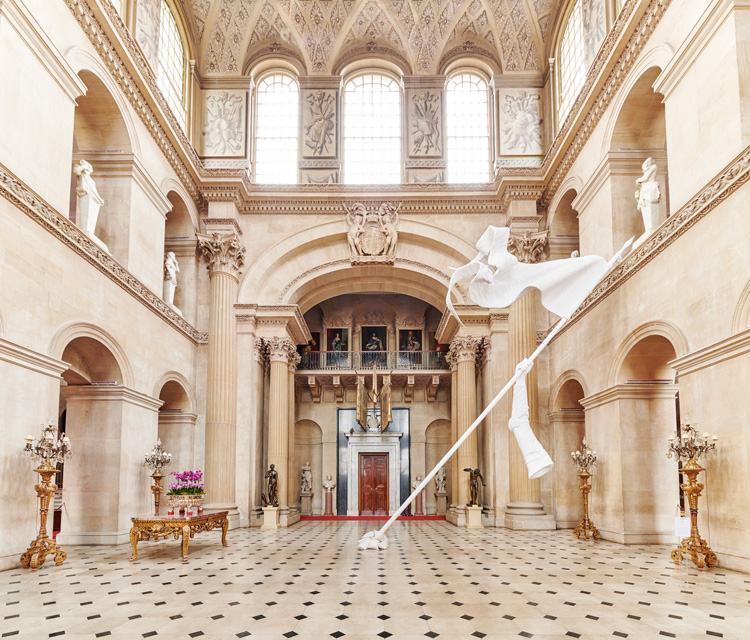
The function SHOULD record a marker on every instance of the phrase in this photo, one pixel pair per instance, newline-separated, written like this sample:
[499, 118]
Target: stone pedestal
[305, 503]
[418, 505]
[270, 519]
[329, 504]
[474, 518]
[442, 503]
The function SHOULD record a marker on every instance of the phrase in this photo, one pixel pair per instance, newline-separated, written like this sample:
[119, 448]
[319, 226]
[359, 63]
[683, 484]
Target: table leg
[134, 542]
[185, 540]
[224, 527]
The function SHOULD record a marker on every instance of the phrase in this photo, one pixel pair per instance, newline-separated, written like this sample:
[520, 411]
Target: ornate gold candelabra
[157, 460]
[48, 451]
[686, 444]
[585, 459]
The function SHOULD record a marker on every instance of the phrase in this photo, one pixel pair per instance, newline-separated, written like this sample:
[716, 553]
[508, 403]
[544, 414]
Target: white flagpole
[561, 323]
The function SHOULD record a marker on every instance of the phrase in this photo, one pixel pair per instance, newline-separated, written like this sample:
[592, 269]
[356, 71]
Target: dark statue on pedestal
[273, 479]
[474, 476]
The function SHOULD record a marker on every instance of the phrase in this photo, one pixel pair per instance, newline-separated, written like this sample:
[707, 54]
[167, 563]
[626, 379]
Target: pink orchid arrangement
[188, 483]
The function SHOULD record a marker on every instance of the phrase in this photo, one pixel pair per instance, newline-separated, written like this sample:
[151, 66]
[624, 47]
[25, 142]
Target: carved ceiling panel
[324, 31]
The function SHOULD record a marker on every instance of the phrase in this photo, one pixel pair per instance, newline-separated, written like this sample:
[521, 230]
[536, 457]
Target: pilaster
[424, 129]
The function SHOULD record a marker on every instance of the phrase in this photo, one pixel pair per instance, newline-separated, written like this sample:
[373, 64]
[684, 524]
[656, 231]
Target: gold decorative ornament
[585, 459]
[157, 460]
[686, 444]
[49, 450]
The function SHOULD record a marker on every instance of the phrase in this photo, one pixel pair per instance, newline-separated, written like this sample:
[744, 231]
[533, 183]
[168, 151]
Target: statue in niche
[440, 480]
[171, 269]
[273, 480]
[648, 195]
[319, 133]
[372, 234]
[474, 477]
[306, 478]
[329, 485]
[425, 133]
[89, 201]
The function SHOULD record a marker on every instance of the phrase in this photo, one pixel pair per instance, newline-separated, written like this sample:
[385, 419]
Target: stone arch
[308, 447]
[437, 441]
[468, 54]
[179, 392]
[741, 319]
[645, 351]
[177, 418]
[177, 194]
[93, 352]
[561, 390]
[564, 230]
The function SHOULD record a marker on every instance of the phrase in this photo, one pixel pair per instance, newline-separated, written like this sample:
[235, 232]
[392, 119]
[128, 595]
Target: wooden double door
[373, 484]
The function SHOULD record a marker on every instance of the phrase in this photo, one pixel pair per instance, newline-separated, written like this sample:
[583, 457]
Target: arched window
[276, 130]
[372, 130]
[170, 72]
[572, 65]
[468, 128]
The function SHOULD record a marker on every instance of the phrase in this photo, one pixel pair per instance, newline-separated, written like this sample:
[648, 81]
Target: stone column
[280, 350]
[525, 509]
[464, 352]
[293, 470]
[451, 359]
[224, 256]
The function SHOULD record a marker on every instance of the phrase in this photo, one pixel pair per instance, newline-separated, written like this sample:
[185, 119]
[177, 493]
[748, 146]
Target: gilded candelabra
[585, 459]
[686, 444]
[49, 450]
[157, 460]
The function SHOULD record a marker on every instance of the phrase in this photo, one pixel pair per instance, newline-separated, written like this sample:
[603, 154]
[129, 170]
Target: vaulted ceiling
[320, 33]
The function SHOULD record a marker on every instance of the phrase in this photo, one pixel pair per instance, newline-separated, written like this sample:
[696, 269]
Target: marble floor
[436, 581]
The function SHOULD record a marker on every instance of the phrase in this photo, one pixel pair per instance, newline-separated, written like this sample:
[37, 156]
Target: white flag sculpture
[564, 285]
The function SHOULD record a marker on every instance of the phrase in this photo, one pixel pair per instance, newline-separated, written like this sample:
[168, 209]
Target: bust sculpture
[89, 201]
[306, 479]
[171, 269]
[417, 482]
[329, 485]
[440, 480]
[648, 195]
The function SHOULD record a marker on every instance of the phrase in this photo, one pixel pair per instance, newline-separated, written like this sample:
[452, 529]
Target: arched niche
[177, 422]
[564, 233]
[90, 361]
[308, 447]
[437, 442]
[179, 237]
[647, 361]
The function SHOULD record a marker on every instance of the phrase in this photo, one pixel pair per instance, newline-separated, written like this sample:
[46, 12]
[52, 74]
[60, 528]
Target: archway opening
[177, 426]
[564, 229]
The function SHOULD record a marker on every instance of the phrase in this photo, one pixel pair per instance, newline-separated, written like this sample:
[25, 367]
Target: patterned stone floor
[435, 581]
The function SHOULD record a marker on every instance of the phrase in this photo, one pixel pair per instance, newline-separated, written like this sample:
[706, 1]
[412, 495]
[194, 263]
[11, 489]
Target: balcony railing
[359, 360]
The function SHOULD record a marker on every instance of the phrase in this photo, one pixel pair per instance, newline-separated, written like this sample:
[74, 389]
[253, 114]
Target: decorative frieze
[520, 122]
[222, 252]
[225, 124]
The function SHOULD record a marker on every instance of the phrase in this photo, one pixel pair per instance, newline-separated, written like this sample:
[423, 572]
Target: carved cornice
[111, 58]
[223, 222]
[223, 252]
[529, 247]
[301, 204]
[465, 349]
[16, 192]
[734, 176]
[280, 349]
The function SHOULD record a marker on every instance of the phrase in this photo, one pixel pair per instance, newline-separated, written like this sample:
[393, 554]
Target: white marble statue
[305, 477]
[648, 196]
[329, 485]
[89, 201]
[171, 269]
[440, 480]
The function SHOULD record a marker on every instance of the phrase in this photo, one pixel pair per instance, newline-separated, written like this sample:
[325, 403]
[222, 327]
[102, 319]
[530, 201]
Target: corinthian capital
[294, 360]
[223, 252]
[465, 349]
[280, 350]
[529, 247]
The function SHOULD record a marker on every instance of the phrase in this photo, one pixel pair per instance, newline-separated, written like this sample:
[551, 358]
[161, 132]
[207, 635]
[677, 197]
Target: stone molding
[566, 416]
[178, 418]
[69, 234]
[733, 347]
[111, 394]
[223, 222]
[629, 392]
[223, 252]
[20, 356]
[465, 349]
[280, 350]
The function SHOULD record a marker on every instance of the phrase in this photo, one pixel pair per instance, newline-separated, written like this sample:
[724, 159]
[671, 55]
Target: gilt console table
[147, 527]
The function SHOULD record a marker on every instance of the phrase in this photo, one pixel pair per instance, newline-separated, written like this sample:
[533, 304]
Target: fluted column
[224, 256]
[293, 485]
[280, 350]
[451, 359]
[465, 352]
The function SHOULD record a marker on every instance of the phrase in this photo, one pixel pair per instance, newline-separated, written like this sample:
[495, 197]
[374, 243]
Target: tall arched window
[572, 64]
[372, 130]
[276, 130]
[468, 128]
[170, 71]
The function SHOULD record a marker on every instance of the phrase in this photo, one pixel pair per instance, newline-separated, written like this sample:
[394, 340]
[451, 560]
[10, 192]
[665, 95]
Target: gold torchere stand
[694, 546]
[157, 476]
[43, 546]
[585, 526]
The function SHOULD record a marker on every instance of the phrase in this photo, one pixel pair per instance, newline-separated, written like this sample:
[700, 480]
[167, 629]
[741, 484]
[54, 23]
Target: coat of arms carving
[372, 234]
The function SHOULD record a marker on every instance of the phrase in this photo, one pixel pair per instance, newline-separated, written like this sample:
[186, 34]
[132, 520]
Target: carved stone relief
[594, 29]
[426, 178]
[147, 30]
[225, 123]
[372, 234]
[323, 178]
[520, 122]
[529, 247]
[319, 123]
[425, 124]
